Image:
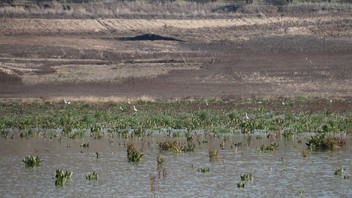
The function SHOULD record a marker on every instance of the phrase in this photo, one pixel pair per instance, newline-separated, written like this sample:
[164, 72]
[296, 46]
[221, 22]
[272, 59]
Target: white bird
[67, 102]
[206, 102]
[121, 108]
[247, 116]
[134, 108]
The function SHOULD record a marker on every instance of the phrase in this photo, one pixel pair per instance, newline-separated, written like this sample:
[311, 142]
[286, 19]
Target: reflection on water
[282, 173]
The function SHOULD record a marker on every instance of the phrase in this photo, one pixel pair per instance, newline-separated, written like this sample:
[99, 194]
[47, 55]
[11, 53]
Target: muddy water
[282, 173]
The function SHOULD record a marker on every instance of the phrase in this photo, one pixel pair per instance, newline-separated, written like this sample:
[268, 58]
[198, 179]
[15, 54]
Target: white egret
[247, 116]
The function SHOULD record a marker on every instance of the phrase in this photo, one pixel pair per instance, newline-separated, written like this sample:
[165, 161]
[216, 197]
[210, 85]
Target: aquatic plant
[133, 154]
[220, 117]
[176, 146]
[85, 145]
[189, 147]
[61, 177]
[204, 169]
[74, 134]
[241, 184]
[92, 176]
[301, 191]
[339, 172]
[271, 147]
[324, 142]
[160, 161]
[96, 132]
[4, 133]
[213, 155]
[289, 135]
[166, 146]
[32, 161]
[247, 177]
[222, 145]
[152, 183]
[23, 135]
[247, 126]
[305, 153]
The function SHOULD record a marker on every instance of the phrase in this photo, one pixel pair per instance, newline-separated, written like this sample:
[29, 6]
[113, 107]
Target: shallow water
[282, 173]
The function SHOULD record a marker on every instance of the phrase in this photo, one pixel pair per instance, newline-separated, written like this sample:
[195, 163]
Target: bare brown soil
[240, 57]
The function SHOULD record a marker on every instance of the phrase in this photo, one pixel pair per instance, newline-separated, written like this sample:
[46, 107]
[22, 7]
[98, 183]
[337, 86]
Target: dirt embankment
[250, 56]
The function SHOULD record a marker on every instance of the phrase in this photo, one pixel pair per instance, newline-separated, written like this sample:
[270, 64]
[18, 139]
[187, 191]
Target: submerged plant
[176, 146]
[204, 169]
[62, 177]
[241, 184]
[160, 161]
[133, 154]
[166, 146]
[289, 135]
[85, 145]
[213, 155]
[23, 135]
[247, 177]
[325, 143]
[339, 172]
[96, 132]
[305, 153]
[32, 161]
[271, 147]
[92, 176]
[188, 147]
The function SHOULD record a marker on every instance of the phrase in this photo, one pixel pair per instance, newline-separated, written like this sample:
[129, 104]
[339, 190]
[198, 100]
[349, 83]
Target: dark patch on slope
[149, 37]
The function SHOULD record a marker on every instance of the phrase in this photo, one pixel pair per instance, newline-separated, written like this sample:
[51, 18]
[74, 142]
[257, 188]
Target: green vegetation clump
[62, 177]
[133, 154]
[177, 146]
[92, 176]
[160, 160]
[245, 178]
[271, 147]
[325, 142]
[32, 161]
[213, 155]
[204, 169]
[219, 117]
[339, 172]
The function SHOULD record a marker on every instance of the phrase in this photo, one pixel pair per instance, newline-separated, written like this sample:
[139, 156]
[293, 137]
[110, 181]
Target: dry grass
[176, 9]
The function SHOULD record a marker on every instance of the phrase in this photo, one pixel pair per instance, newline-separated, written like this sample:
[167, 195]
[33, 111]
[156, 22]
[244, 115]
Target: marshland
[226, 98]
[198, 147]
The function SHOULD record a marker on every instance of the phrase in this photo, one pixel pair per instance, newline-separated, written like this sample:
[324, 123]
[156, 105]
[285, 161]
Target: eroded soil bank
[169, 58]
